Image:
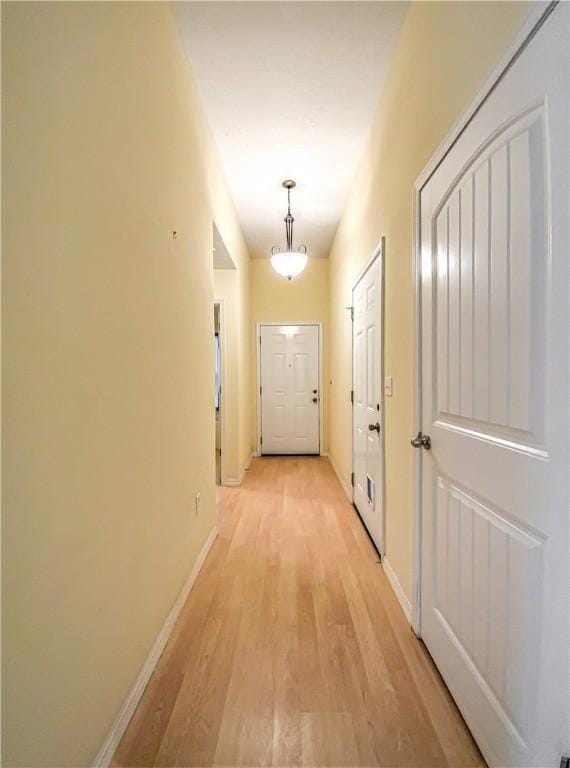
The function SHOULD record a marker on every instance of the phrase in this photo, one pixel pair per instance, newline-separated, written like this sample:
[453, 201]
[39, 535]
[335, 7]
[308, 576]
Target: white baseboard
[233, 482]
[346, 488]
[105, 754]
[397, 587]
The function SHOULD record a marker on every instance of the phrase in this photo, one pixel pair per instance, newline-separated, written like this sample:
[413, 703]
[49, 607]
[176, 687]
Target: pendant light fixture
[291, 262]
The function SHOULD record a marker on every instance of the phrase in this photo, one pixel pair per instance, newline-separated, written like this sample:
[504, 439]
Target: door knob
[421, 441]
[374, 427]
[315, 399]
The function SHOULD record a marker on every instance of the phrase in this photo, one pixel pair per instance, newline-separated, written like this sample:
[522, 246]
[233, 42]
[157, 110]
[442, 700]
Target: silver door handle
[421, 441]
[374, 427]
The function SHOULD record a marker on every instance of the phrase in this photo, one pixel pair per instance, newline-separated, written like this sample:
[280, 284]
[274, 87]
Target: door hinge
[260, 341]
[260, 390]
[352, 396]
[352, 479]
[261, 440]
[352, 313]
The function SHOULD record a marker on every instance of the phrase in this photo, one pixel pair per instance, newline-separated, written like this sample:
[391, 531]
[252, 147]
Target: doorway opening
[218, 392]
[224, 272]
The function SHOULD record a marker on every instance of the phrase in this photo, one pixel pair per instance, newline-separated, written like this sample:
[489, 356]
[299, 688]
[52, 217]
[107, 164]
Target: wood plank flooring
[291, 649]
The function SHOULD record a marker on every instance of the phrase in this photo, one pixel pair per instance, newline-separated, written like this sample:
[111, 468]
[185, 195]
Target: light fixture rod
[289, 184]
[291, 262]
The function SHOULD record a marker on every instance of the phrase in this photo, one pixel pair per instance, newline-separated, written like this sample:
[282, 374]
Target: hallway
[285, 286]
[292, 648]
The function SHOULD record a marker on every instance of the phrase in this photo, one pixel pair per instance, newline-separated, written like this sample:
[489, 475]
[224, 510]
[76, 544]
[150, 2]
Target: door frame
[223, 386]
[537, 15]
[258, 327]
[379, 253]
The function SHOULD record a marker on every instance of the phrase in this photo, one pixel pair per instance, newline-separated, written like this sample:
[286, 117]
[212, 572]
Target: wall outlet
[197, 503]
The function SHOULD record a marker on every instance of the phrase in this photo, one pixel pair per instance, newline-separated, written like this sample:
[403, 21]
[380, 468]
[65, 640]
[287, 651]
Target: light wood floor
[291, 649]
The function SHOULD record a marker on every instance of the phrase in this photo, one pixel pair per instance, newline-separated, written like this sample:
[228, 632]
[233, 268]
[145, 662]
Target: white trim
[105, 754]
[379, 253]
[346, 488]
[537, 15]
[397, 589]
[417, 417]
[223, 379]
[233, 482]
[258, 327]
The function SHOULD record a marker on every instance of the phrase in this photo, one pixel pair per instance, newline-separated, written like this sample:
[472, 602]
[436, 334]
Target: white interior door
[367, 423]
[495, 504]
[290, 389]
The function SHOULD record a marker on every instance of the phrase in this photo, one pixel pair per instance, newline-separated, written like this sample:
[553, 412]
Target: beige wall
[443, 54]
[108, 367]
[276, 299]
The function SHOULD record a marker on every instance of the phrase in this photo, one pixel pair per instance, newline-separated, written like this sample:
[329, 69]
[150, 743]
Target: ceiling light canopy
[291, 262]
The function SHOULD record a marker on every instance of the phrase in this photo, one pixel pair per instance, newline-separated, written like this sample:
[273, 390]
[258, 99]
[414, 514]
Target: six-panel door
[367, 416]
[290, 389]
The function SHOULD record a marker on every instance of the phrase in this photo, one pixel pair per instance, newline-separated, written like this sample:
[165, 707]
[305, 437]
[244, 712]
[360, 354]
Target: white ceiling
[289, 89]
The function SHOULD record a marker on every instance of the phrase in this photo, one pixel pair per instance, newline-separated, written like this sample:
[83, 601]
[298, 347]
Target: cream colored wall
[443, 54]
[233, 287]
[108, 367]
[276, 299]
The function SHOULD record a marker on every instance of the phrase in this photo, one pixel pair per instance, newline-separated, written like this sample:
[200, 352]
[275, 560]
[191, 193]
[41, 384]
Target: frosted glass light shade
[289, 263]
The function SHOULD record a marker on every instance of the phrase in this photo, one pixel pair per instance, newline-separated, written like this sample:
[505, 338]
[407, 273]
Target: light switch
[388, 386]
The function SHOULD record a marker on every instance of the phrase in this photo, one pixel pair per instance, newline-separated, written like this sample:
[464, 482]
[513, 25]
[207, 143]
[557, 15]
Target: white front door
[367, 423]
[495, 608]
[289, 388]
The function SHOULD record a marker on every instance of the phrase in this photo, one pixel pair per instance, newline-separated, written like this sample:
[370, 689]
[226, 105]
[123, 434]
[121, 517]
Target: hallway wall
[443, 54]
[108, 359]
[276, 299]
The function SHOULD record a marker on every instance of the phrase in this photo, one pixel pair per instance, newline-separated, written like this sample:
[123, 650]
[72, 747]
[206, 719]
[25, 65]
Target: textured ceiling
[289, 90]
